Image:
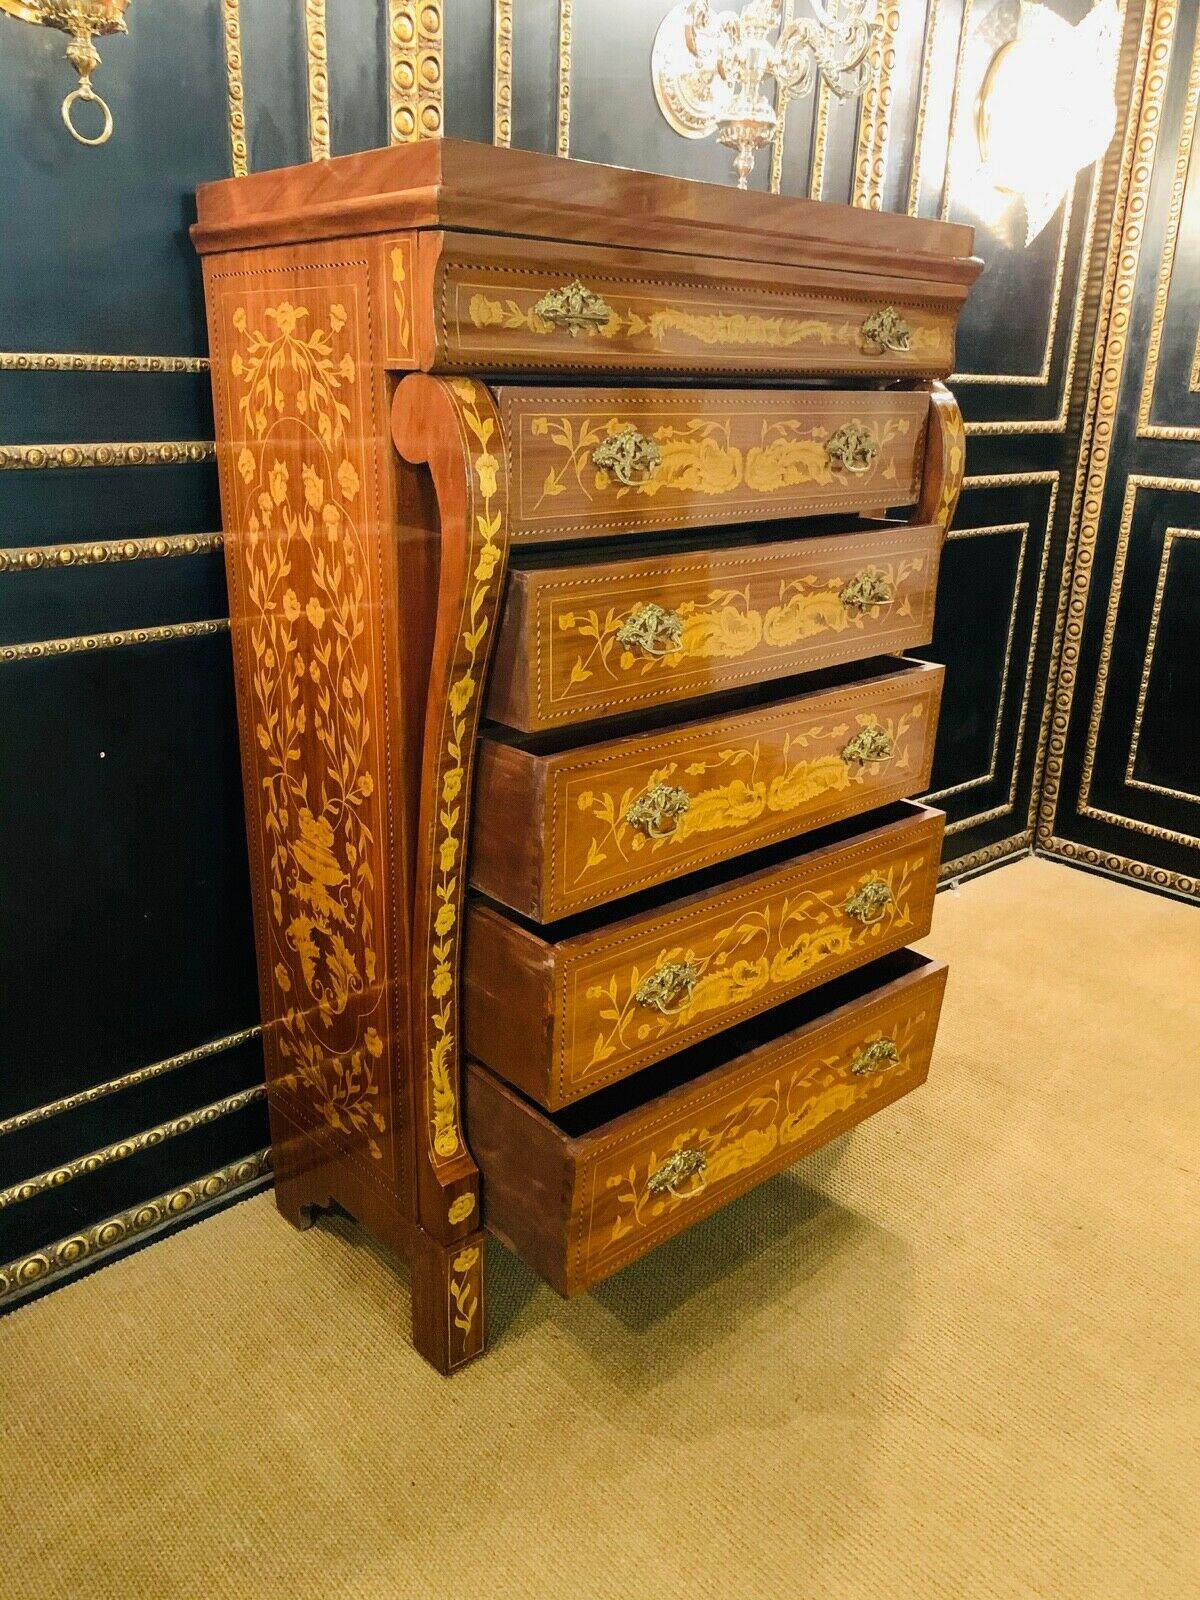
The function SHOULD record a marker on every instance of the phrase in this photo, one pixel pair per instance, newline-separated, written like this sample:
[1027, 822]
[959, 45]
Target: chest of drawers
[575, 520]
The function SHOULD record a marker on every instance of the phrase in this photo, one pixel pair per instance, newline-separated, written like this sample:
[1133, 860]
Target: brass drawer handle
[875, 1058]
[689, 1162]
[658, 810]
[575, 307]
[869, 902]
[651, 629]
[866, 590]
[629, 456]
[886, 330]
[853, 448]
[668, 990]
[868, 745]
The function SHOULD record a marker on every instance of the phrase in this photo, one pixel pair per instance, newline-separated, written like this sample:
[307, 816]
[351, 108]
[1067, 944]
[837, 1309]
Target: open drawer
[582, 1193]
[562, 1011]
[583, 462]
[618, 815]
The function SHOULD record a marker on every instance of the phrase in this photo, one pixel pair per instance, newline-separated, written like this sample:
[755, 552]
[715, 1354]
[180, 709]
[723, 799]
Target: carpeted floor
[953, 1357]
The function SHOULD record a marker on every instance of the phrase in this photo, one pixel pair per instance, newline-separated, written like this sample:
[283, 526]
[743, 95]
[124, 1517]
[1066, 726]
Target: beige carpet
[955, 1355]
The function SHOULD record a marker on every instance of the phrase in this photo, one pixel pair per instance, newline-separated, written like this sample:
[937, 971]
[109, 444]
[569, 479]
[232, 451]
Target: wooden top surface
[454, 183]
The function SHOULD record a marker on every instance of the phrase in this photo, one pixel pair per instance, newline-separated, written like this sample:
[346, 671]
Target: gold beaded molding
[239, 155]
[1019, 844]
[86, 643]
[156, 1069]
[55, 1177]
[69, 361]
[317, 50]
[104, 552]
[563, 145]
[502, 63]
[875, 111]
[103, 1237]
[789, 7]
[1108, 365]
[415, 49]
[40, 457]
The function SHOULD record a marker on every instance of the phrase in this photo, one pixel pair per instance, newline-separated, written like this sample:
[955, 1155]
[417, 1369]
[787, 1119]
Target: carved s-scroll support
[452, 425]
[945, 459]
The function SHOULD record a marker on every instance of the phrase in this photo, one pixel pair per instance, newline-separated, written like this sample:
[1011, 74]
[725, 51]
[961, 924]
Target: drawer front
[610, 819]
[586, 642]
[616, 1000]
[598, 461]
[534, 309]
[681, 1161]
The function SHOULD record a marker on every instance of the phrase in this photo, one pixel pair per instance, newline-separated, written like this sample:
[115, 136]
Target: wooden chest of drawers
[575, 520]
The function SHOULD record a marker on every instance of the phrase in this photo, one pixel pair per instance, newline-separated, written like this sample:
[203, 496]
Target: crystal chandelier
[710, 70]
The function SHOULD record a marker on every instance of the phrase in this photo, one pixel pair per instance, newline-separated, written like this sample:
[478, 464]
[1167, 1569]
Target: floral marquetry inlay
[295, 378]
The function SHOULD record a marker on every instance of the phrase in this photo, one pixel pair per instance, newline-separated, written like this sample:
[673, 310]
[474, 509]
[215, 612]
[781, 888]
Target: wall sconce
[1046, 107]
[82, 20]
[709, 71]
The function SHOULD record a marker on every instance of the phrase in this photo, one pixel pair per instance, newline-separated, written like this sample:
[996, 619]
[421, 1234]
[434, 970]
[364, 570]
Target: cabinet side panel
[308, 501]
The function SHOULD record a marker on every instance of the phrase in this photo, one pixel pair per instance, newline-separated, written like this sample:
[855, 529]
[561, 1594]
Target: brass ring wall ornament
[852, 448]
[668, 989]
[658, 810]
[82, 20]
[866, 590]
[576, 308]
[868, 745]
[688, 1162]
[652, 629]
[869, 902]
[886, 330]
[629, 456]
[875, 1057]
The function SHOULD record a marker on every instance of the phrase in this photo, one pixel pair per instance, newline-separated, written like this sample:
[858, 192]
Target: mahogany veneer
[665, 546]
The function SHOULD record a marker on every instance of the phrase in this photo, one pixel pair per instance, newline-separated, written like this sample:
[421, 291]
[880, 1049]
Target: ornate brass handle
[869, 744]
[853, 448]
[689, 1162]
[869, 901]
[867, 590]
[576, 308]
[668, 990]
[629, 456]
[875, 1058]
[651, 629]
[886, 330]
[657, 811]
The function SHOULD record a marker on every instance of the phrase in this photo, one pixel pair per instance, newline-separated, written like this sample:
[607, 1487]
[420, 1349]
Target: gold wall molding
[51, 457]
[1162, 288]
[103, 552]
[27, 1272]
[415, 69]
[927, 55]
[86, 643]
[563, 139]
[1108, 365]
[1160, 590]
[870, 164]
[1134, 484]
[55, 1177]
[1019, 844]
[1122, 866]
[239, 151]
[502, 67]
[316, 49]
[960, 57]
[129, 1080]
[1016, 480]
[1194, 375]
[69, 361]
